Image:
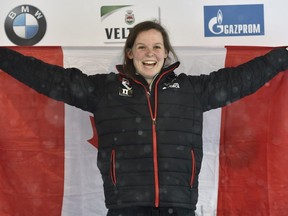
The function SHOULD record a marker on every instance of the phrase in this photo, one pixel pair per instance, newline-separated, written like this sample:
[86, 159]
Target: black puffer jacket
[150, 139]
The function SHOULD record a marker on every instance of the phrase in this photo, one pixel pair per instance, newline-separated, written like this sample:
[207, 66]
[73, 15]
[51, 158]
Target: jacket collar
[169, 69]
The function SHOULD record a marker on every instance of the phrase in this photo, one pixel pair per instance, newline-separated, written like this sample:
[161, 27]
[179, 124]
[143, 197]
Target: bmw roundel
[25, 25]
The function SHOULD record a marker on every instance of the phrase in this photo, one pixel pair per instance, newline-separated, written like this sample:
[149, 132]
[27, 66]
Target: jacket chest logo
[172, 84]
[125, 90]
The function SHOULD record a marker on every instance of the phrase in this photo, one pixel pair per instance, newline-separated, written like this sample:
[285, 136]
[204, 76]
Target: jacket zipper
[154, 133]
[113, 167]
[154, 145]
[193, 168]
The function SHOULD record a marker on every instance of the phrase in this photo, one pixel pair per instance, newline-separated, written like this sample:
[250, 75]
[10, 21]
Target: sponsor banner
[108, 23]
[234, 20]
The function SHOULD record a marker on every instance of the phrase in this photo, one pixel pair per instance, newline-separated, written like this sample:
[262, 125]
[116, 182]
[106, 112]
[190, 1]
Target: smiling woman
[148, 54]
[147, 50]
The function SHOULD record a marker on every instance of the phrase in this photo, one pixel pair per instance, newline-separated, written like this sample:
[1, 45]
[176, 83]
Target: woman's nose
[149, 52]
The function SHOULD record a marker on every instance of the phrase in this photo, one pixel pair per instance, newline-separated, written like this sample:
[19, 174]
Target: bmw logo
[25, 25]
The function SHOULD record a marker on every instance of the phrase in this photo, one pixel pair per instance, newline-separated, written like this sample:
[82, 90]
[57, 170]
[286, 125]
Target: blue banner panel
[234, 20]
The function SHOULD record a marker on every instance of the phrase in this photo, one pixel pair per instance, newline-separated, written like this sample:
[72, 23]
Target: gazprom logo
[234, 20]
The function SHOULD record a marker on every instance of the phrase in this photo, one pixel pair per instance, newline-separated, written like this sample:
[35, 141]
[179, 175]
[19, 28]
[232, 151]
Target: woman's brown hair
[128, 66]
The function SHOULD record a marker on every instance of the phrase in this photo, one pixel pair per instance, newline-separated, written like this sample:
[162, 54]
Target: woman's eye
[158, 47]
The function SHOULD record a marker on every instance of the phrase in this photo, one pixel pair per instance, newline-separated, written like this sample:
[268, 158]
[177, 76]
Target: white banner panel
[87, 22]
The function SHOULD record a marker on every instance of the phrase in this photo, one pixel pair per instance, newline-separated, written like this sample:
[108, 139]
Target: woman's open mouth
[149, 63]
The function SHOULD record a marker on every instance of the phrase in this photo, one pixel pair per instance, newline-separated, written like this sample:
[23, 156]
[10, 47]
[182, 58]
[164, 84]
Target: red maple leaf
[94, 139]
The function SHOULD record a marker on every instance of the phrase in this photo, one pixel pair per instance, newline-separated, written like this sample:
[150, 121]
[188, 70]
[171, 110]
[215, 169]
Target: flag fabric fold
[31, 145]
[253, 148]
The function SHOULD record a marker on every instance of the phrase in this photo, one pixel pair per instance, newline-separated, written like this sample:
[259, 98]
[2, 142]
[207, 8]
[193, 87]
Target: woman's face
[148, 53]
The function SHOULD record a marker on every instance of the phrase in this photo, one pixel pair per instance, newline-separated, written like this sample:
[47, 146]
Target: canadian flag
[48, 150]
